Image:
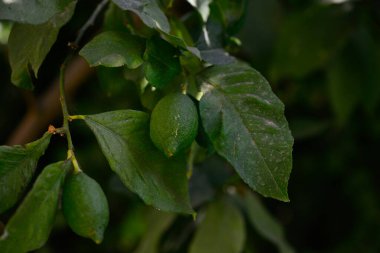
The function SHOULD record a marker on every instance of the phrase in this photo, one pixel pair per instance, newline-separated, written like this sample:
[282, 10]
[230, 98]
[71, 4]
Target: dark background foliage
[321, 58]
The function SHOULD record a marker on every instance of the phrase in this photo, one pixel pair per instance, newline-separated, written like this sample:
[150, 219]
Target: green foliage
[33, 50]
[17, 166]
[114, 49]
[264, 223]
[158, 222]
[149, 12]
[174, 124]
[85, 206]
[30, 226]
[308, 40]
[246, 124]
[221, 231]
[154, 54]
[161, 62]
[32, 11]
[124, 139]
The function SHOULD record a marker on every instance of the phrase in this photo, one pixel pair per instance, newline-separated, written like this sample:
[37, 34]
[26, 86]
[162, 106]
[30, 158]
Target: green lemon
[174, 123]
[85, 206]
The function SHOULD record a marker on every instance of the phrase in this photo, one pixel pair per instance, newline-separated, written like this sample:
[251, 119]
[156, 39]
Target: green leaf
[308, 40]
[31, 11]
[124, 139]
[202, 7]
[217, 56]
[162, 62]
[265, 223]
[85, 206]
[221, 231]
[17, 166]
[29, 44]
[230, 13]
[158, 222]
[245, 122]
[344, 86]
[114, 49]
[149, 12]
[30, 226]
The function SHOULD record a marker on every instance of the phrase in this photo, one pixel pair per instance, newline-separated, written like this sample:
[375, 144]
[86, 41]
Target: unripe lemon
[174, 123]
[85, 206]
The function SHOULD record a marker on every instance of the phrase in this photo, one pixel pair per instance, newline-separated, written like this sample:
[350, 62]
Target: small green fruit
[174, 124]
[85, 206]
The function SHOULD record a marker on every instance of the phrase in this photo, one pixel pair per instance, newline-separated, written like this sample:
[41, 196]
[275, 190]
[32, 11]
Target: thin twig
[62, 99]
[90, 21]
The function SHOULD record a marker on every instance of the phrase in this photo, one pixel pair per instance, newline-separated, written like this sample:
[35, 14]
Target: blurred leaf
[221, 231]
[308, 40]
[114, 49]
[202, 7]
[133, 227]
[29, 44]
[231, 13]
[17, 166]
[217, 56]
[124, 139]
[265, 223]
[162, 62]
[344, 83]
[246, 124]
[32, 11]
[353, 78]
[158, 222]
[30, 226]
[149, 12]
[260, 30]
[115, 19]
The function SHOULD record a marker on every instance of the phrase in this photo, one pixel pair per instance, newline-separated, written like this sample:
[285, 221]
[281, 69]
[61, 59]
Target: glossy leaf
[85, 206]
[124, 139]
[158, 223]
[29, 44]
[162, 62]
[221, 231]
[114, 49]
[31, 11]
[29, 228]
[245, 122]
[149, 12]
[17, 166]
[264, 223]
[308, 40]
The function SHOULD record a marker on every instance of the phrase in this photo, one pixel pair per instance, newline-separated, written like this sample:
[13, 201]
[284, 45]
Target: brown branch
[37, 119]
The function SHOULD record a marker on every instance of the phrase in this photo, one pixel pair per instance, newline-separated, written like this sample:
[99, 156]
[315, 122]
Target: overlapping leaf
[30, 226]
[31, 11]
[114, 49]
[222, 230]
[245, 122]
[124, 139]
[29, 44]
[162, 63]
[17, 165]
[158, 222]
[264, 223]
[149, 12]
